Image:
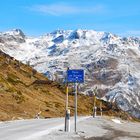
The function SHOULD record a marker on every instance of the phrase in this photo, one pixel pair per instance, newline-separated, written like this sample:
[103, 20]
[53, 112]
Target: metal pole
[66, 107]
[75, 116]
[67, 96]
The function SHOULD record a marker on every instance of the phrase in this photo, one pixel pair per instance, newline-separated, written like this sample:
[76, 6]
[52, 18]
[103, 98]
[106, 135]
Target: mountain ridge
[111, 63]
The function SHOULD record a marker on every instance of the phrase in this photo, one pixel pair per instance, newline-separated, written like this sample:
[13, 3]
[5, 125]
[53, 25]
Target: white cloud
[64, 9]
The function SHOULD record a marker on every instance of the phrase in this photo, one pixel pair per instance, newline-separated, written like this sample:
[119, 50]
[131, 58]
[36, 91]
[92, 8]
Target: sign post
[67, 112]
[75, 76]
[75, 105]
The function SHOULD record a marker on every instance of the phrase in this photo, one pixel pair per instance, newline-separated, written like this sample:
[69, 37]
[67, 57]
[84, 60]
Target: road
[88, 128]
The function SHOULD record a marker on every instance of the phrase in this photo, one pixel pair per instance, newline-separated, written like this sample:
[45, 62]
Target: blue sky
[36, 17]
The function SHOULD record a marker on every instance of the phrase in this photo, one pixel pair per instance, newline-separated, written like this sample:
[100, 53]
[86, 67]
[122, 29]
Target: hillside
[24, 92]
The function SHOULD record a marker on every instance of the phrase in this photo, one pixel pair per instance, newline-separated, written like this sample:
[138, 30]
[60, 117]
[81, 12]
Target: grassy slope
[25, 92]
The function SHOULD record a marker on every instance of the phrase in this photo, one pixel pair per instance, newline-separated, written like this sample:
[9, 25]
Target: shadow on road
[114, 134]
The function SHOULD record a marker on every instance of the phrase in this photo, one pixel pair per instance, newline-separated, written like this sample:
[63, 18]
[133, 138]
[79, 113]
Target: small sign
[75, 76]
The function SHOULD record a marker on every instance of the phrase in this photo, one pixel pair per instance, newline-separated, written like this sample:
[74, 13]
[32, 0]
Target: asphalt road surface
[88, 128]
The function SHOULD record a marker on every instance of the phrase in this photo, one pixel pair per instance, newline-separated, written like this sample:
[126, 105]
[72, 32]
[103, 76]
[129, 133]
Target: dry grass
[24, 93]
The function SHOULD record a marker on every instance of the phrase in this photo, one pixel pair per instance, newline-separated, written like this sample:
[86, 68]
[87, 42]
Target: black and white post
[68, 120]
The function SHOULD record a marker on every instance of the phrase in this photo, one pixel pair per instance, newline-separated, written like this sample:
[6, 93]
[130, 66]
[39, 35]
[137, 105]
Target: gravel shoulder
[99, 129]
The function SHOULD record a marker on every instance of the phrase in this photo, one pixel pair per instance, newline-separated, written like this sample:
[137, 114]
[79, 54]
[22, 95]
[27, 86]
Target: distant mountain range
[111, 62]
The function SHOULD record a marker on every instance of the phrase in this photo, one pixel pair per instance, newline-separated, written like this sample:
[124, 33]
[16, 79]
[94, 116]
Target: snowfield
[88, 128]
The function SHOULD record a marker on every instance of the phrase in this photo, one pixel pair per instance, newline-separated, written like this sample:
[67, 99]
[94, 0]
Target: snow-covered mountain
[111, 62]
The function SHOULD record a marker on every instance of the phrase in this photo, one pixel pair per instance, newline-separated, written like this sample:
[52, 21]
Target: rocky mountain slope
[111, 63]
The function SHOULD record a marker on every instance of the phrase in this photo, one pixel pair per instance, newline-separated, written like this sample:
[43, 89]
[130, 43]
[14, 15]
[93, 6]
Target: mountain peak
[14, 32]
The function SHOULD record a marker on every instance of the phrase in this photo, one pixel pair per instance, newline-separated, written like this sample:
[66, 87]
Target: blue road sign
[75, 76]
